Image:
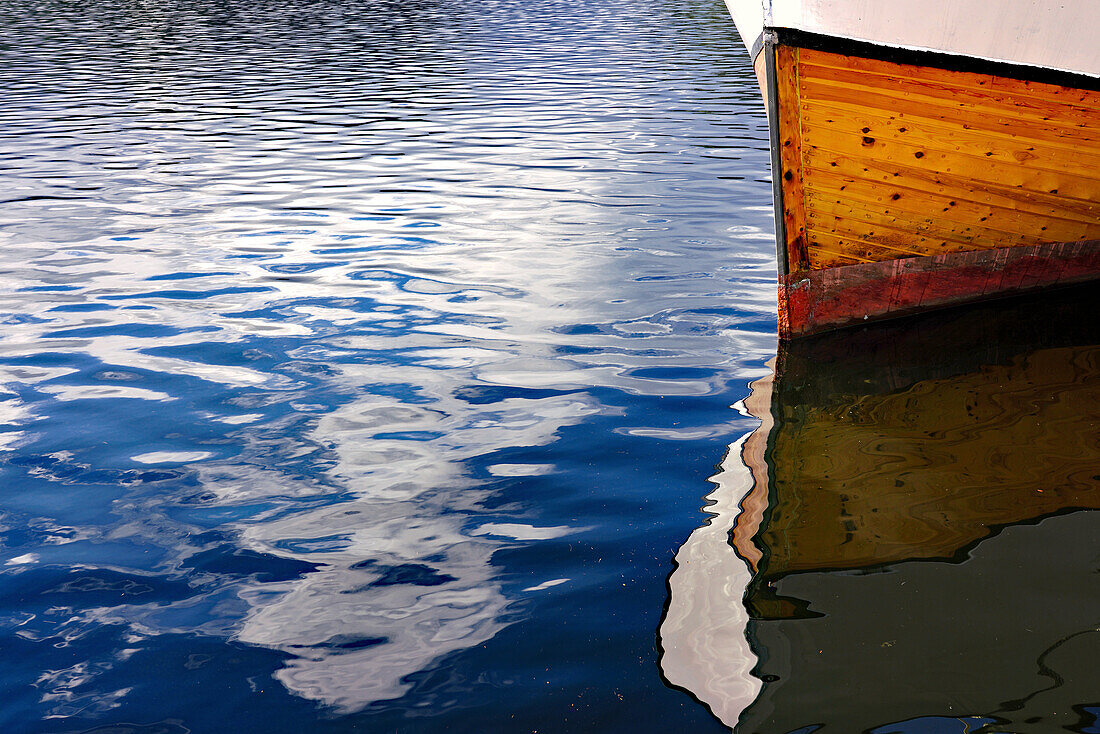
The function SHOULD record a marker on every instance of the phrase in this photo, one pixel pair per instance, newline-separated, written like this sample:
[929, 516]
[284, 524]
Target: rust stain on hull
[819, 300]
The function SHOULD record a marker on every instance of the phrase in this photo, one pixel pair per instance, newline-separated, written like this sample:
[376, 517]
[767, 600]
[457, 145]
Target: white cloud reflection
[705, 648]
[412, 579]
[503, 240]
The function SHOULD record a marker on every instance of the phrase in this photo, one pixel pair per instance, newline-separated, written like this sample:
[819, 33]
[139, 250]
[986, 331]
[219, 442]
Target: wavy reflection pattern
[705, 648]
[908, 542]
[279, 280]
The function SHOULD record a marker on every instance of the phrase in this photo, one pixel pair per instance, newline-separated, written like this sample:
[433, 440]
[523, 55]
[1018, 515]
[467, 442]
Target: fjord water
[925, 543]
[365, 363]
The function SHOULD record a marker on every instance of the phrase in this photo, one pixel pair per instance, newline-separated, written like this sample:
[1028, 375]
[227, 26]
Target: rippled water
[364, 362]
[364, 366]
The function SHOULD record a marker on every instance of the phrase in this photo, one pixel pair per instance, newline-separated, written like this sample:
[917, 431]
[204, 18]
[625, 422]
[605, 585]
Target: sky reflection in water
[364, 365]
[338, 341]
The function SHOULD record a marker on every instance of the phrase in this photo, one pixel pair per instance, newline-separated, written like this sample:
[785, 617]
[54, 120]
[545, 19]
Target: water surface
[364, 362]
[364, 365]
[909, 541]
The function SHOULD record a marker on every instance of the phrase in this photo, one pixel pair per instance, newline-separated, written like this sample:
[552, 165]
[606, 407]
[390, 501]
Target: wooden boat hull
[907, 180]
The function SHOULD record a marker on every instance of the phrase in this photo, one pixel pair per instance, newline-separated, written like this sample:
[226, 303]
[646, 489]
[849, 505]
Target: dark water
[930, 550]
[910, 541]
[364, 366]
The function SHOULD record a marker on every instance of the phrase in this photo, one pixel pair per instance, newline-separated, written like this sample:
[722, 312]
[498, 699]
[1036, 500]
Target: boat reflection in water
[909, 542]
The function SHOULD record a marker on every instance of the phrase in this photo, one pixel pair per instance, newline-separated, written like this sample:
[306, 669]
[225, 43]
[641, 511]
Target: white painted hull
[1051, 34]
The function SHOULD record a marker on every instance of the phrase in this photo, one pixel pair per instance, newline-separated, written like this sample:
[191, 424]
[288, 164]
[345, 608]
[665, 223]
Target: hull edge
[831, 298]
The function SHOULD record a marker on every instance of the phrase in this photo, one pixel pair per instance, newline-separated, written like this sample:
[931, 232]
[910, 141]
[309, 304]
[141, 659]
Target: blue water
[385, 367]
[364, 362]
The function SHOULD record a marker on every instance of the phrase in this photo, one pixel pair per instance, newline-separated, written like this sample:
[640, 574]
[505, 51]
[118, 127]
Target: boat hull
[903, 185]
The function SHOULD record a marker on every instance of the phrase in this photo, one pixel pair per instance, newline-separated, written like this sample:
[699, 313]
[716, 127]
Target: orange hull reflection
[912, 530]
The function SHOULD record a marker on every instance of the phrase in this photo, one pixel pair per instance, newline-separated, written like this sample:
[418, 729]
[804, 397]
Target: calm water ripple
[363, 362]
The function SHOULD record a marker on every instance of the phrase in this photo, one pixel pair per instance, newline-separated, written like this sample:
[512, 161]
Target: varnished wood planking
[998, 212]
[1001, 86]
[790, 156]
[854, 250]
[901, 160]
[1024, 100]
[903, 157]
[953, 187]
[866, 202]
[955, 136]
[992, 142]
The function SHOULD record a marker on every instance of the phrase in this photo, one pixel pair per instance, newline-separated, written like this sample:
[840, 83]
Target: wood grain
[790, 156]
[899, 160]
